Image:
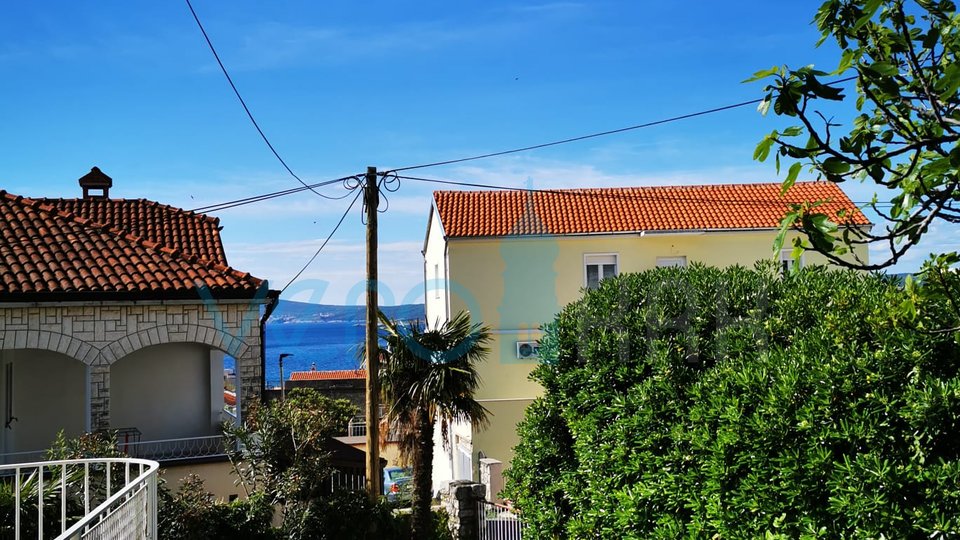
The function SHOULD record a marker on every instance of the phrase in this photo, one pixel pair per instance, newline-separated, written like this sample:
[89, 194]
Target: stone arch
[50, 341]
[159, 335]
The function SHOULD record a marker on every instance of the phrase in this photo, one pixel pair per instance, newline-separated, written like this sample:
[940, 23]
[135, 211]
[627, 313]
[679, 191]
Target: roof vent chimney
[95, 181]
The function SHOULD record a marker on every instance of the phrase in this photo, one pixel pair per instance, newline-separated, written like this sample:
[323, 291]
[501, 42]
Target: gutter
[273, 298]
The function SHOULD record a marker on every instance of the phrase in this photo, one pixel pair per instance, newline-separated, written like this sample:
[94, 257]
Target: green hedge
[708, 403]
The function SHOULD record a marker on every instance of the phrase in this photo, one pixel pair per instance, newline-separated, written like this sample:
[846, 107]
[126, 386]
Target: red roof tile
[634, 209]
[46, 249]
[187, 232]
[336, 375]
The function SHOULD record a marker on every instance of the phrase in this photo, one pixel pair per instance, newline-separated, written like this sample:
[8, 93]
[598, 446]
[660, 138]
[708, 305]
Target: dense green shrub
[194, 514]
[733, 403]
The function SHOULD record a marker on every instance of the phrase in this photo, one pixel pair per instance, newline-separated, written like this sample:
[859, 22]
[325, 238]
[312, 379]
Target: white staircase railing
[101, 498]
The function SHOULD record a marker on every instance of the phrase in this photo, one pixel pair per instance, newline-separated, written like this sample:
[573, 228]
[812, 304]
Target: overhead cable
[599, 134]
[243, 103]
[324, 244]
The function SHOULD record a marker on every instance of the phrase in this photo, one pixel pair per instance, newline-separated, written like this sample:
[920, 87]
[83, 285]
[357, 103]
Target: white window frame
[678, 261]
[786, 260]
[594, 259]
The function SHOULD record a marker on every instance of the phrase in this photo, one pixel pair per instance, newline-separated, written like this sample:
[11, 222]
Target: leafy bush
[732, 403]
[194, 514]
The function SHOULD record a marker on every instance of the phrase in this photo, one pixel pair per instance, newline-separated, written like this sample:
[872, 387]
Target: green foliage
[904, 122]
[280, 449]
[733, 403]
[194, 514]
[102, 444]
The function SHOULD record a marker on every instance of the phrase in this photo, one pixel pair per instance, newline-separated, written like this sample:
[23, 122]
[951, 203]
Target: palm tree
[426, 376]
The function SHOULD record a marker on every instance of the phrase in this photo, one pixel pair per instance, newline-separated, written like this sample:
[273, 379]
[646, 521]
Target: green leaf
[763, 149]
[835, 165]
[949, 83]
[786, 224]
[791, 179]
[846, 60]
[885, 69]
[763, 74]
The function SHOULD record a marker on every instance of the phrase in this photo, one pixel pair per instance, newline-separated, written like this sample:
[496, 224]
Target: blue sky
[132, 88]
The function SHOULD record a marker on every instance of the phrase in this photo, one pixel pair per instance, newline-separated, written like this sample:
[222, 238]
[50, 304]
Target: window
[436, 280]
[599, 267]
[786, 261]
[679, 262]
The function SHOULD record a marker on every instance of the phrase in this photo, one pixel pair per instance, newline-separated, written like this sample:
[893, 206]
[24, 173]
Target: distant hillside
[301, 312]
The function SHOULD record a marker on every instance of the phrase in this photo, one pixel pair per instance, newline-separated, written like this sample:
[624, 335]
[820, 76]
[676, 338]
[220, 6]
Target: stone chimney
[96, 181]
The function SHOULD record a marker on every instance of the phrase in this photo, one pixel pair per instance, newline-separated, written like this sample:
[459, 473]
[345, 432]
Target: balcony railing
[175, 449]
[164, 450]
[357, 427]
[103, 498]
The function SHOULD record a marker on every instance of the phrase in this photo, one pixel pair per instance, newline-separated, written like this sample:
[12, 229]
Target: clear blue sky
[132, 88]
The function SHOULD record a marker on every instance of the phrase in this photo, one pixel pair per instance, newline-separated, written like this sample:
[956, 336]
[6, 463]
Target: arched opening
[41, 393]
[168, 391]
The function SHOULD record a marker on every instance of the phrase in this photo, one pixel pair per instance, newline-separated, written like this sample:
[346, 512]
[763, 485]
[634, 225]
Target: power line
[601, 193]
[266, 196]
[243, 103]
[329, 236]
[599, 134]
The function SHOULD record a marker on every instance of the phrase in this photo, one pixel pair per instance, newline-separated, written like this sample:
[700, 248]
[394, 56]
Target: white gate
[498, 522]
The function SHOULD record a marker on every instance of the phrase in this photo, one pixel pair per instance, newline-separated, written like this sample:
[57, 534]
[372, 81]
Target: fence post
[460, 500]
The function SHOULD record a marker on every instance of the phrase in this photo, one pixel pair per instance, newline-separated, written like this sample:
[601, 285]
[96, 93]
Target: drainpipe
[273, 298]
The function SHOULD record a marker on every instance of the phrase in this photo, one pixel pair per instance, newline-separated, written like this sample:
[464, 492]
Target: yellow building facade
[517, 281]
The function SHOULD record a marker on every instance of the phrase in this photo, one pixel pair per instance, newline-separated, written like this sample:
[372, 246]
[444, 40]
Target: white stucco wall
[435, 273]
[45, 399]
[164, 391]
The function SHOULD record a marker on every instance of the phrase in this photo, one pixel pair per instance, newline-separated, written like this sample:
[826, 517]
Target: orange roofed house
[117, 314]
[514, 258]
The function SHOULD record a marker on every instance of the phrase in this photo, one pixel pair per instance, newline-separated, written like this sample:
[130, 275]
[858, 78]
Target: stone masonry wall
[460, 499]
[99, 335]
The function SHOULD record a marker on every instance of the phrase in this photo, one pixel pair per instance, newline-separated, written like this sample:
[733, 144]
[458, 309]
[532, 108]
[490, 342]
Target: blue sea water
[329, 345]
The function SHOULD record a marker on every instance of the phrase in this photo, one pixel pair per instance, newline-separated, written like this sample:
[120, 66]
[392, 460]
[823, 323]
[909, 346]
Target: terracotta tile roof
[186, 232]
[336, 375]
[48, 251]
[632, 209]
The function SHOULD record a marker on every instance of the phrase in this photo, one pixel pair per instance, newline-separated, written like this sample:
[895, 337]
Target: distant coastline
[290, 312]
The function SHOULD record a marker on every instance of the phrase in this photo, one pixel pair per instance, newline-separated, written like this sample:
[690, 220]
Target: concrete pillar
[491, 475]
[460, 499]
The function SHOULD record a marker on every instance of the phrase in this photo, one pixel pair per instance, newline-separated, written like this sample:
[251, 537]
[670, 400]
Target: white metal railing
[357, 427]
[174, 449]
[122, 493]
[159, 450]
[498, 522]
[340, 480]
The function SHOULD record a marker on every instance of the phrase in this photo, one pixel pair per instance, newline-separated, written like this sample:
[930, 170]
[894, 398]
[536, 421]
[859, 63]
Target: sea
[324, 345]
[325, 337]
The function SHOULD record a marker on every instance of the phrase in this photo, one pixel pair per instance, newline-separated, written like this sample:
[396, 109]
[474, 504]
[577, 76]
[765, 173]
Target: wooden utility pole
[371, 197]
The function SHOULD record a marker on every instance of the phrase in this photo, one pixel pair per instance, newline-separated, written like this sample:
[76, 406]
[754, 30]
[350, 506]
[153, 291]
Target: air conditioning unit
[528, 349]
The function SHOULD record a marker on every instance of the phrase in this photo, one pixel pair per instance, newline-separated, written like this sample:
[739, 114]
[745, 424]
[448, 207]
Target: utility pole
[371, 197]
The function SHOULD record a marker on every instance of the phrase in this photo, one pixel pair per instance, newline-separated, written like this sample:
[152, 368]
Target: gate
[498, 522]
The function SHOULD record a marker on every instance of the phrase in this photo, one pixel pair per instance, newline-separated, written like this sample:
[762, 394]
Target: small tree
[430, 376]
[281, 452]
[903, 138]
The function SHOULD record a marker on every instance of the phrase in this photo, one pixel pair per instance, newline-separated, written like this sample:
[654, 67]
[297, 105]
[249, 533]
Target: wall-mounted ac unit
[528, 349]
